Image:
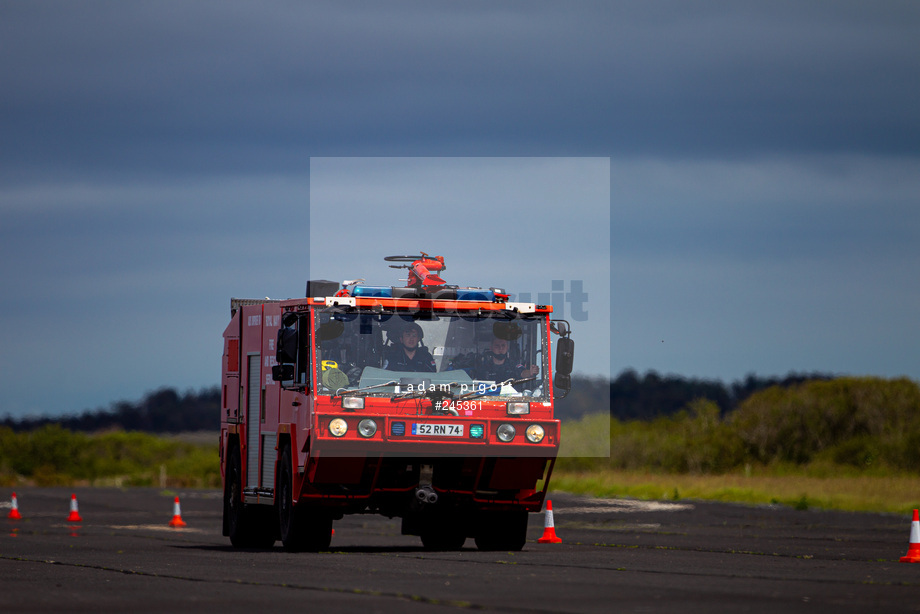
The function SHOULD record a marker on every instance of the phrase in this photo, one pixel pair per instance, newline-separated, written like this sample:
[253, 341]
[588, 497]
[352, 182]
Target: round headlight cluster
[338, 427]
[535, 433]
[367, 428]
[505, 432]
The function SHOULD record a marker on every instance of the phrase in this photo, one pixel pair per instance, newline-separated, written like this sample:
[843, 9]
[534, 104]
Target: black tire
[501, 531]
[233, 500]
[444, 529]
[247, 528]
[303, 529]
[443, 539]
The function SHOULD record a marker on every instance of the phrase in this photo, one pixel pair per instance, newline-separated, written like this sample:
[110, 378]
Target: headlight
[505, 432]
[352, 402]
[338, 427]
[535, 433]
[518, 409]
[367, 428]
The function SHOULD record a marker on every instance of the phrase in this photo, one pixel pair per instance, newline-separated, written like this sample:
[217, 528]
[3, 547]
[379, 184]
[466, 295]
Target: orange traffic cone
[74, 514]
[14, 510]
[913, 551]
[177, 515]
[549, 528]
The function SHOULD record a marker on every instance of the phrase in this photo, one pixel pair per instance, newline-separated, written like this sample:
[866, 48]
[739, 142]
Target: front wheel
[501, 530]
[441, 529]
[302, 528]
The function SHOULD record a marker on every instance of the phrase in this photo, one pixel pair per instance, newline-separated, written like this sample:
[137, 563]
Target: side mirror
[286, 348]
[563, 382]
[560, 327]
[565, 356]
[283, 373]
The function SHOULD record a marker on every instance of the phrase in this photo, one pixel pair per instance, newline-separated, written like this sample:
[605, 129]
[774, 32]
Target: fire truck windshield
[498, 354]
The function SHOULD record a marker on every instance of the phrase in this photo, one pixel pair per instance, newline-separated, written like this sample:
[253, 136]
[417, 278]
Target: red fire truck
[429, 402]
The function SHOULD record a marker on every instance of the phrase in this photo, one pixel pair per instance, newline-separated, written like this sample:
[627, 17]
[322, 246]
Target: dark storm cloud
[238, 85]
[781, 211]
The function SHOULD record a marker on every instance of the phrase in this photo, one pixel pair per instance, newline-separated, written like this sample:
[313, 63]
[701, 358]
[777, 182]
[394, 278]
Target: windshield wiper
[341, 392]
[488, 389]
[421, 393]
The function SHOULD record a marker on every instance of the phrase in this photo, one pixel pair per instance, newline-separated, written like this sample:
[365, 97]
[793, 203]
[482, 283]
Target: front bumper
[434, 436]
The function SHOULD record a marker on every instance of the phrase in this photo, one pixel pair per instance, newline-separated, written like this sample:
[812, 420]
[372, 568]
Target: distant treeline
[645, 397]
[162, 411]
[846, 426]
[848, 423]
[629, 397]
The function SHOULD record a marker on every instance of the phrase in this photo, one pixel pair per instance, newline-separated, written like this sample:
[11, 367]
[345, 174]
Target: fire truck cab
[429, 402]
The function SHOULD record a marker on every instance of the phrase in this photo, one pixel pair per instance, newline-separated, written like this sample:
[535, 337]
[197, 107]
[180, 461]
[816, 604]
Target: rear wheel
[248, 527]
[501, 530]
[302, 528]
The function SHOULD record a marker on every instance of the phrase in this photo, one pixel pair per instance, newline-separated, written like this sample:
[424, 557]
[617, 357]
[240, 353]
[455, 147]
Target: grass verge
[895, 494]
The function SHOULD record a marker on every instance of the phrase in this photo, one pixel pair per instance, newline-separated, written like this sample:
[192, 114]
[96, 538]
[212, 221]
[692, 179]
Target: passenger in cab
[407, 354]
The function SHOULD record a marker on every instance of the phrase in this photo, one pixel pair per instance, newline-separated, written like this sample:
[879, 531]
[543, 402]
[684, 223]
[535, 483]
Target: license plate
[445, 430]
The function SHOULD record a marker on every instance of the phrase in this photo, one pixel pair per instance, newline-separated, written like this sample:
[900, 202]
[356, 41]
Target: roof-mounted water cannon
[423, 269]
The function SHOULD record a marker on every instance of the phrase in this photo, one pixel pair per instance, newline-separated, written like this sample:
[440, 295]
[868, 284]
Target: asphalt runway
[616, 556]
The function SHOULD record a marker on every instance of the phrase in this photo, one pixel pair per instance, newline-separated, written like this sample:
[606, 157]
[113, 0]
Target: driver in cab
[407, 354]
[497, 365]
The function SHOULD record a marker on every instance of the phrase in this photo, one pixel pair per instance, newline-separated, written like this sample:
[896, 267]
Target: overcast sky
[745, 174]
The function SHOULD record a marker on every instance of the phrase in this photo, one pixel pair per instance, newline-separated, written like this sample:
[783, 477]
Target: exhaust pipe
[426, 494]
